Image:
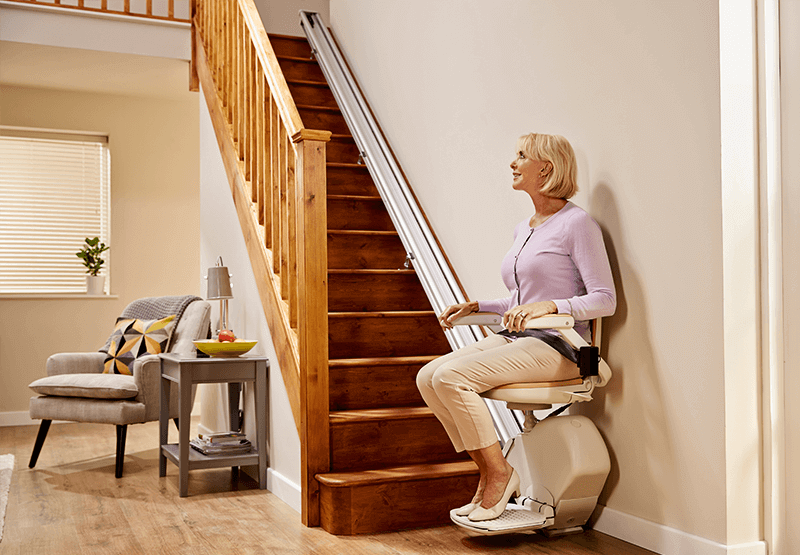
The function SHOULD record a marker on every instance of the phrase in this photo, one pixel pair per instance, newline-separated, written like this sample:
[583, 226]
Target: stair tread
[288, 37]
[382, 314]
[397, 474]
[354, 197]
[368, 271]
[361, 232]
[296, 58]
[380, 361]
[345, 165]
[307, 82]
[318, 107]
[382, 414]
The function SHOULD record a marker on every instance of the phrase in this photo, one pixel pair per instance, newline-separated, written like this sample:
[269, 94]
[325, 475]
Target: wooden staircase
[391, 464]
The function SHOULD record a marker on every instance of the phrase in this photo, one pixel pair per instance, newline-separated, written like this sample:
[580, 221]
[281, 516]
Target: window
[54, 193]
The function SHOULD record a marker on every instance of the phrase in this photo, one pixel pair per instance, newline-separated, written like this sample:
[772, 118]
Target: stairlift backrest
[519, 395]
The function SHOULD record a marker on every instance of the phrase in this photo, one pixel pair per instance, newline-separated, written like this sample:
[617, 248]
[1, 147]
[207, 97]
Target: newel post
[312, 274]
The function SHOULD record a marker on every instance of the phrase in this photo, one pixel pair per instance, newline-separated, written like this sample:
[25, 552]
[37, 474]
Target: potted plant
[90, 254]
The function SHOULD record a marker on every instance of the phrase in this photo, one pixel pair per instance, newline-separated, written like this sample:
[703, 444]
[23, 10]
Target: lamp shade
[219, 283]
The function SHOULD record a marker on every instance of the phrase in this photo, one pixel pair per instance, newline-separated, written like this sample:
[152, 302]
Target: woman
[557, 264]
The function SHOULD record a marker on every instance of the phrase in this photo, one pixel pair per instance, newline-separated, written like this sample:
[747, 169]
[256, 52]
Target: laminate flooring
[71, 503]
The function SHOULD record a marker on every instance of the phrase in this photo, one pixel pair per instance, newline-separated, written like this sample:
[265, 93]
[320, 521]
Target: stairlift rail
[437, 279]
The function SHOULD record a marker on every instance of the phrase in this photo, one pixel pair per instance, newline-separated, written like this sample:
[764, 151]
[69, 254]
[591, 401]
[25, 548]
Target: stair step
[287, 45]
[349, 249]
[312, 93]
[358, 212]
[349, 179]
[375, 290]
[329, 119]
[385, 334]
[302, 69]
[375, 382]
[395, 498]
[342, 149]
[387, 437]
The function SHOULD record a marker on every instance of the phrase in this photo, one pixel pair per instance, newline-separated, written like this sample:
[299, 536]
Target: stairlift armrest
[550, 321]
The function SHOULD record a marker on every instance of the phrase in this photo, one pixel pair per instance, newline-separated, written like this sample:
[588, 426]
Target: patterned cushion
[133, 338]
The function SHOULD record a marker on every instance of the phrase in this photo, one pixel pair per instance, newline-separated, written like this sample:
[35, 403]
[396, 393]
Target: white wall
[790, 127]
[635, 87]
[282, 16]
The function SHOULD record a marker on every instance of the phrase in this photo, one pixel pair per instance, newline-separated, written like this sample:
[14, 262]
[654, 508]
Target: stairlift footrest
[514, 519]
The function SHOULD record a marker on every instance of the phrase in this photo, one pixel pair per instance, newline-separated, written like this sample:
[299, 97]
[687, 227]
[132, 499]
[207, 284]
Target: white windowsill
[43, 296]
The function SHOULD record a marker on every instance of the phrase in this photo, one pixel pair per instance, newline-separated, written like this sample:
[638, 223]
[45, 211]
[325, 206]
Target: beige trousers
[451, 384]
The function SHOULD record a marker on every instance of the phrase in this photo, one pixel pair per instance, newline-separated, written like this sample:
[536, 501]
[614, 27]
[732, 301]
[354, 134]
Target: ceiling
[50, 67]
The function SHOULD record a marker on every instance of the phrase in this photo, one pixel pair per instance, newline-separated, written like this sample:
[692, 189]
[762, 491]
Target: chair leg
[44, 427]
[122, 432]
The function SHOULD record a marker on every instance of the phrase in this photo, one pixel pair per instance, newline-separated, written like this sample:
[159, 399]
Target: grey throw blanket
[155, 308]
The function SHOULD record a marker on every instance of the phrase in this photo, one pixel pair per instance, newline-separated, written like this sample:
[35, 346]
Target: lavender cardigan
[563, 260]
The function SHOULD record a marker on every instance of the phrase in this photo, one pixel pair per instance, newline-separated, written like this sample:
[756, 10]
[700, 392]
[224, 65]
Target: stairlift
[562, 461]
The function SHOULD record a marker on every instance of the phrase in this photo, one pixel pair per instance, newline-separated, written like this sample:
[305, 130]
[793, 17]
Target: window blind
[54, 193]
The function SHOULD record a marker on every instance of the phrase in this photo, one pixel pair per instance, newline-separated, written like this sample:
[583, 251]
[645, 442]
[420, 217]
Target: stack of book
[222, 443]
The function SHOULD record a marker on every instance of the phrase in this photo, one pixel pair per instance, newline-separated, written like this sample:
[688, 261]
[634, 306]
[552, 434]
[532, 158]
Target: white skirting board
[663, 539]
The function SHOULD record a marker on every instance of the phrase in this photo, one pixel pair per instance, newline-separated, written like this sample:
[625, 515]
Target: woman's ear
[548, 167]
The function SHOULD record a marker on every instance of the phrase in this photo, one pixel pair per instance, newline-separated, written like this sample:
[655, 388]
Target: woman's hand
[516, 318]
[455, 311]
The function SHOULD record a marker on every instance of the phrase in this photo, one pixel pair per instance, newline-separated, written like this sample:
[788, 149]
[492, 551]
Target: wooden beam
[312, 270]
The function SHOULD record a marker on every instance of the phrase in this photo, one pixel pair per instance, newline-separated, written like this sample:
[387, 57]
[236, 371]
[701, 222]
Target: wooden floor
[71, 503]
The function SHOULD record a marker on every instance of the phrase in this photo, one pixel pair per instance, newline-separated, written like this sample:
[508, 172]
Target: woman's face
[529, 174]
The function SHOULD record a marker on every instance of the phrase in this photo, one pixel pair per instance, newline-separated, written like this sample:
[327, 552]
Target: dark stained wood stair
[392, 465]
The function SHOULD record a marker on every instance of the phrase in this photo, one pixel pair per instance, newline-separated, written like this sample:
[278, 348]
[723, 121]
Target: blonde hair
[562, 181]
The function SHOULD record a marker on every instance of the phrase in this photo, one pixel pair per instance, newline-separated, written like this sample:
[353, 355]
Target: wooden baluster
[246, 115]
[285, 207]
[266, 149]
[171, 9]
[194, 82]
[149, 9]
[252, 102]
[275, 186]
[257, 103]
[240, 104]
[126, 6]
[312, 270]
[295, 249]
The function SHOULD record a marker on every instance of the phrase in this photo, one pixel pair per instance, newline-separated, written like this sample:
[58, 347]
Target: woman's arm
[588, 252]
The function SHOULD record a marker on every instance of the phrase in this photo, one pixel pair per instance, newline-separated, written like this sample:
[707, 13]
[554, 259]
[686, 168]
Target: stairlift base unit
[563, 464]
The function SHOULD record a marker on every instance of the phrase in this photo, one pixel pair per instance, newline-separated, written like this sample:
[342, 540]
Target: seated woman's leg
[459, 381]
[425, 383]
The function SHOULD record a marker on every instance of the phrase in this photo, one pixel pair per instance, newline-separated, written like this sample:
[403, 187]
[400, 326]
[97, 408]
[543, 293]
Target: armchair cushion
[92, 386]
[133, 338]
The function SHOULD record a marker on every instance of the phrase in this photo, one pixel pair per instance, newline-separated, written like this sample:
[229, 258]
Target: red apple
[226, 335]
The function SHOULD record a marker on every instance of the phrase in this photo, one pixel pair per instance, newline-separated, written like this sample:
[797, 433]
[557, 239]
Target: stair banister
[424, 252]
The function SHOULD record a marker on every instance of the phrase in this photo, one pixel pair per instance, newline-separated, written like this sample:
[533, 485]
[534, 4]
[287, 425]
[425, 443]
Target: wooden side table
[186, 371]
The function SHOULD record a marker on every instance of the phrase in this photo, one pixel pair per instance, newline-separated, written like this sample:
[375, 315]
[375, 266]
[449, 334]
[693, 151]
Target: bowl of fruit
[225, 345]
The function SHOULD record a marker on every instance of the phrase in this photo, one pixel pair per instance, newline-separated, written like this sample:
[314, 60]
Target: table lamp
[219, 288]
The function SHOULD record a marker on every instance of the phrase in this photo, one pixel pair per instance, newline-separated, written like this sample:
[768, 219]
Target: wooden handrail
[126, 9]
[276, 171]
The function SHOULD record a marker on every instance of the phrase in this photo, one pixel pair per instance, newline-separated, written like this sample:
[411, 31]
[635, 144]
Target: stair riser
[290, 47]
[384, 443]
[365, 251]
[312, 95]
[342, 150]
[367, 337]
[304, 71]
[325, 120]
[358, 214]
[375, 293]
[350, 181]
[371, 509]
[374, 387]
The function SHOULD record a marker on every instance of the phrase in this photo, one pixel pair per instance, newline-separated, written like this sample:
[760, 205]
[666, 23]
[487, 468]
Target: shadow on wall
[631, 407]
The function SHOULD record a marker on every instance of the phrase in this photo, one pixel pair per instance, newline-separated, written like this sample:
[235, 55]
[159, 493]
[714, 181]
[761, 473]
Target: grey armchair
[76, 389]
